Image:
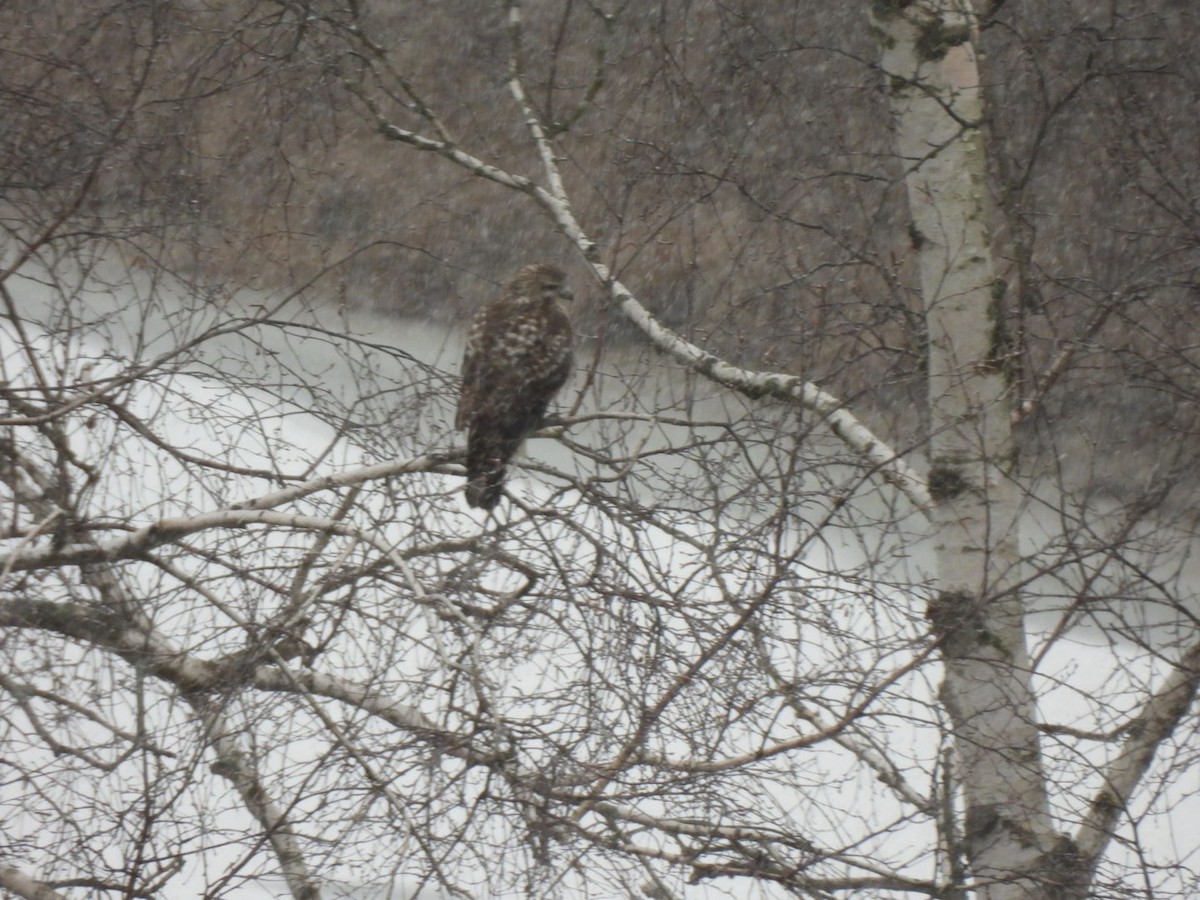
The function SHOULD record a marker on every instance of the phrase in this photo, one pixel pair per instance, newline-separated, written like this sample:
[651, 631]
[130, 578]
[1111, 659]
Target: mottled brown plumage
[518, 356]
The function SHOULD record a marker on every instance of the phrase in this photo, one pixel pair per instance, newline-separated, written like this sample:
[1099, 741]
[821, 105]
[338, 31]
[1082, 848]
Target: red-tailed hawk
[518, 356]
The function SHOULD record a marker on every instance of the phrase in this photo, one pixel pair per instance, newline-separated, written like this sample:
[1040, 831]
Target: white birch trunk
[930, 65]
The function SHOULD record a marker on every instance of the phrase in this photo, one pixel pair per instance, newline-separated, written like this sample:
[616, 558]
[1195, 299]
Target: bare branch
[256, 511]
[1157, 721]
[23, 886]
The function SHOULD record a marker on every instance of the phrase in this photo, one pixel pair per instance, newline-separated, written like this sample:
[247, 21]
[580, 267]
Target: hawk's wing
[473, 361]
[470, 385]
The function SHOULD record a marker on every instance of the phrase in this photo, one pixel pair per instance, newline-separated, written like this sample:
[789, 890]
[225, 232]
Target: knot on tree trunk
[957, 620]
[1061, 873]
[1065, 871]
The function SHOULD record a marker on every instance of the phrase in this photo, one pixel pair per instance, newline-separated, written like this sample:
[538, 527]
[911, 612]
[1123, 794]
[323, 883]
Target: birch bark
[929, 61]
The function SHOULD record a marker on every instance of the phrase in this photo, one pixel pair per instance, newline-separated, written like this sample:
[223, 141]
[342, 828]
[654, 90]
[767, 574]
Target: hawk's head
[542, 281]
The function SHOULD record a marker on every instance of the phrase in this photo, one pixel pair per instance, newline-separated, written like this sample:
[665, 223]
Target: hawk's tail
[488, 453]
[485, 482]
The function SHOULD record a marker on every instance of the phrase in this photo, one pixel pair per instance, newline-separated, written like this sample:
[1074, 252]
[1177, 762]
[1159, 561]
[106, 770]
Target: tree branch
[23, 886]
[255, 511]
[755, 385]
[240, 769]
[1157, 722]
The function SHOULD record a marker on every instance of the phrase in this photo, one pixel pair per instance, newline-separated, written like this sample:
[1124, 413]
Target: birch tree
[816, 585]
[930, 63]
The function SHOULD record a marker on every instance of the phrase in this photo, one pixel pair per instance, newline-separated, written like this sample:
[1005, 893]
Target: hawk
[518, 355]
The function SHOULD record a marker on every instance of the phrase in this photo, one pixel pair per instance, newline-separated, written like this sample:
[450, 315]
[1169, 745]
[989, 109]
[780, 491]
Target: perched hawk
[518, 356]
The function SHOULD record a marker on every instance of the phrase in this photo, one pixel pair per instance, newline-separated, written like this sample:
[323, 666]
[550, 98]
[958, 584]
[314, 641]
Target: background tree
[857, 567]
